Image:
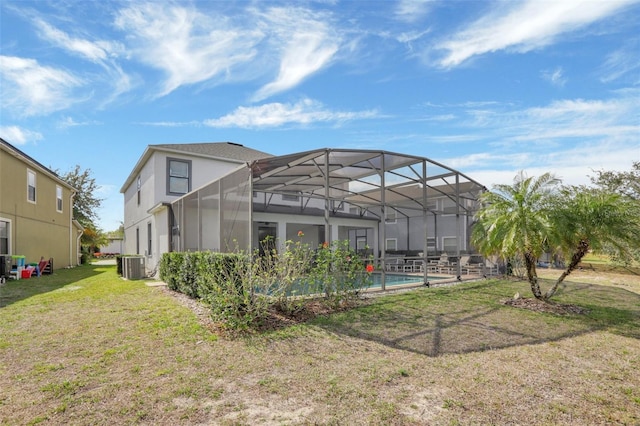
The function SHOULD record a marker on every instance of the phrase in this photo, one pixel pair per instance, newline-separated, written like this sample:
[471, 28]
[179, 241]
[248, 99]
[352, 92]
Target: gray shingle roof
[230, 150]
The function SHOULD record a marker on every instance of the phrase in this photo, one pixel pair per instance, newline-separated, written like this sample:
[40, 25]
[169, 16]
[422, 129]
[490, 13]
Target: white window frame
[361, 243]
[445, 206]
[138, 187]
[149, 240]
[188, 178]
[59, 202]
[444, 246]
[395, 244]
[9, 224]
[391, 216]
[30, 174]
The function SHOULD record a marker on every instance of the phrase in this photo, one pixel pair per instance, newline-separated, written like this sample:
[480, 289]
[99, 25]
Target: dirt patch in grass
[542, 306]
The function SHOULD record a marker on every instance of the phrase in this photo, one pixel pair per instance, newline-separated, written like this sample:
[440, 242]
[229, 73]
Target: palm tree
[513, 221]
[588, 219]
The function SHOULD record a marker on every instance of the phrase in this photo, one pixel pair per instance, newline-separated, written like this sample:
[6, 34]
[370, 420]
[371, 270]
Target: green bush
[241, 288]
[222, 280]
[341, 274]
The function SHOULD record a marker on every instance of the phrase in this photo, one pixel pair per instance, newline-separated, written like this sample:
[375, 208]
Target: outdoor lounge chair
[470, 268]
[394, 264]
[441, 264]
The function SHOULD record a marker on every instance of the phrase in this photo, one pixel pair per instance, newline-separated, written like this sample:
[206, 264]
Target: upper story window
[392, 216]
[290, 197]
[449, 206]
[59, 198]
[138, 186]
[31, 186]
[178, 176]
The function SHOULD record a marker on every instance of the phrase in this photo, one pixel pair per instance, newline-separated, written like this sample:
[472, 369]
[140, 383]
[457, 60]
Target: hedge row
[240, 288]
[193, 273]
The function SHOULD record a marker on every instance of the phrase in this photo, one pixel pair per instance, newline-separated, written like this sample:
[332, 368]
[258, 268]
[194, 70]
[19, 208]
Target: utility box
[133, 267]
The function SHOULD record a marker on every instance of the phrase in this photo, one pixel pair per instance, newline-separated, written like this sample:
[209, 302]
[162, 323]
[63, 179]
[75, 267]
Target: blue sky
[489, 88]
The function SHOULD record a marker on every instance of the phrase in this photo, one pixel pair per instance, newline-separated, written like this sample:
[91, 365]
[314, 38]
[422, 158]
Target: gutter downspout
[71, 228]
[78, 245]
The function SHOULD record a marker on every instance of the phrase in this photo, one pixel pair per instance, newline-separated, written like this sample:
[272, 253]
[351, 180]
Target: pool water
[398, 279]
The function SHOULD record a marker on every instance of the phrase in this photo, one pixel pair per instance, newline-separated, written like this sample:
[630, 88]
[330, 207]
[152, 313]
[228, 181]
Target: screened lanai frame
[378, 183]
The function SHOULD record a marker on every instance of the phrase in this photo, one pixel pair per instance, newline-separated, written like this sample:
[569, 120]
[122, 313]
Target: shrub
[241, 288]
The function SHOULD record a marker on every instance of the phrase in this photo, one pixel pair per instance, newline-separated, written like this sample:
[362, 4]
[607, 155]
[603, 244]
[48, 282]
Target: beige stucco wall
[37, 229]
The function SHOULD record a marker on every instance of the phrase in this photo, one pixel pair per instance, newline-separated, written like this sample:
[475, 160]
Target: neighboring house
[163, 174]
[115, 245]
[224, 196]
[36, 211]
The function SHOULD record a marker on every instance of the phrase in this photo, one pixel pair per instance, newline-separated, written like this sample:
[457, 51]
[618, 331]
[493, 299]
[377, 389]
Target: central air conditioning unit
[133, 267]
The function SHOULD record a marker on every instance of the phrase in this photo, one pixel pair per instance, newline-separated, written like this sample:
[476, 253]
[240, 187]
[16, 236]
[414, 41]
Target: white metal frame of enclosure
[372, 180]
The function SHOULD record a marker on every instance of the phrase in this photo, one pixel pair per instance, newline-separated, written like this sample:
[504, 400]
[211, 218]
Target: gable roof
[222, 150]
[6, 146]
[226, 151]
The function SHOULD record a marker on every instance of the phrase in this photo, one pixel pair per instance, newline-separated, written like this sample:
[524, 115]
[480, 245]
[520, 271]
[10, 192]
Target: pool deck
[441, 280]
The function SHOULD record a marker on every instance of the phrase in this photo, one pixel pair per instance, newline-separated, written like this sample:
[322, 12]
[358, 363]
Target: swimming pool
[400, 279]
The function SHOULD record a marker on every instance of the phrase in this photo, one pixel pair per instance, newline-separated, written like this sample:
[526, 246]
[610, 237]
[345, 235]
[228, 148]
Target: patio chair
[394, 264]
[468, 267]
[441, 264]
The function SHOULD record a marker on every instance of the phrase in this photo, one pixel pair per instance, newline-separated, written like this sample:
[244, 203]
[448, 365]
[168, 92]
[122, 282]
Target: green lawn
[85, 347]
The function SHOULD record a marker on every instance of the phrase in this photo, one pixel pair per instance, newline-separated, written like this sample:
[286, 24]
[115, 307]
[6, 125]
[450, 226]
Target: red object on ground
[26, 273]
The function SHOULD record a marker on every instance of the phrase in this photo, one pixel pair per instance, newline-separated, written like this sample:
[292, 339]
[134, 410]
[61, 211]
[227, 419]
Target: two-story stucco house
[36, 211]
[164, 173]
[222, 196]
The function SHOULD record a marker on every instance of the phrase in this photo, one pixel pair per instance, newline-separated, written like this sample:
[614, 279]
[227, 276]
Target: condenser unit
[133, 267]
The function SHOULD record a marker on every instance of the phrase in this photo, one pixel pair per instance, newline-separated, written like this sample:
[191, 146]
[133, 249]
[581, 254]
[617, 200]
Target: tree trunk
[576, 258]
[532, 276]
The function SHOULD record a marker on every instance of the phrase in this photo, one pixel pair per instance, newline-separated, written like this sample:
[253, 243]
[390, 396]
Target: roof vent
[234, 143]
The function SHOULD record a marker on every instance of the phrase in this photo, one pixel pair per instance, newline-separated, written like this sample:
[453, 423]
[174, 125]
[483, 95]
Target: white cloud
[102, 52]
[171, 123]
[307, 42]
[574, 166]
[555, 76]
[306, 111]
[68, 122]
[523, 26]
[580, 119]
[411, 10]
[560, 121]
[33, 89]
[570, 138]
[95, 52]
[481, 159]
[623, 62]
[187, 45]
[18, 136]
